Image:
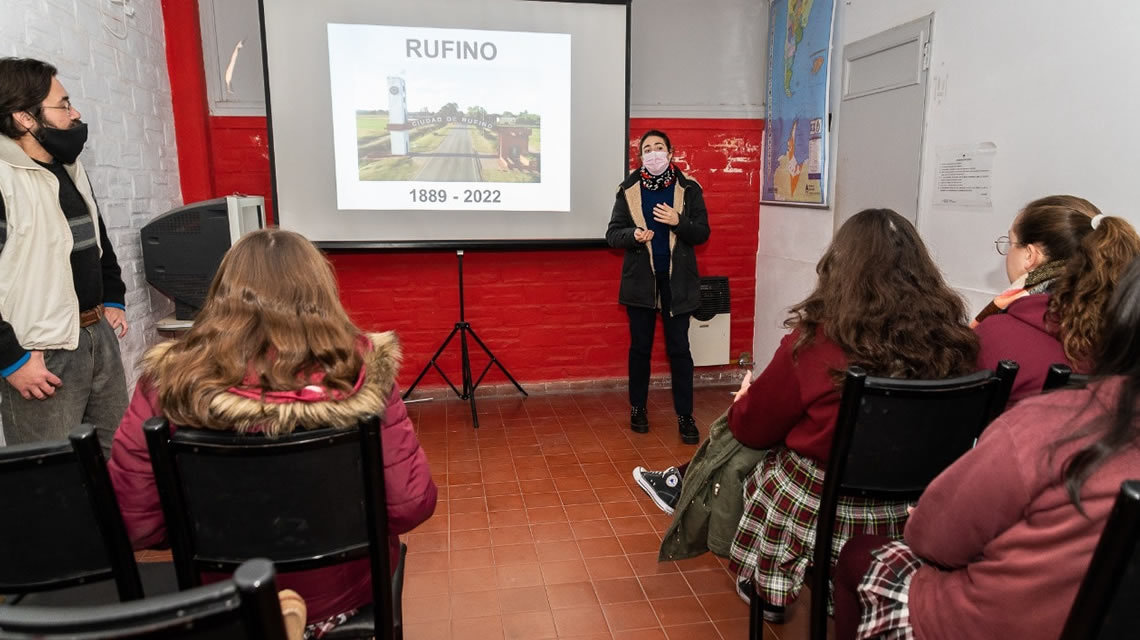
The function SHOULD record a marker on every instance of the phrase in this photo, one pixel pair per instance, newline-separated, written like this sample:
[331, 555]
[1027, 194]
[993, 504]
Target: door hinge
[926, 55]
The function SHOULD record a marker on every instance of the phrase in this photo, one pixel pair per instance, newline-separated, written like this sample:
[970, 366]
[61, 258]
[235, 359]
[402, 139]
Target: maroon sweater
[1012, 547]
[1020, 334]
[794, 402]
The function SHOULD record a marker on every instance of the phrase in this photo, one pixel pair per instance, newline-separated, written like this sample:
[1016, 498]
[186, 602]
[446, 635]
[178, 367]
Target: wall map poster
[796, 130]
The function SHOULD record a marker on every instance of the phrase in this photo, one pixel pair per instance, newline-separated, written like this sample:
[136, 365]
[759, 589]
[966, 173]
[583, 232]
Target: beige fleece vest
[37, 294]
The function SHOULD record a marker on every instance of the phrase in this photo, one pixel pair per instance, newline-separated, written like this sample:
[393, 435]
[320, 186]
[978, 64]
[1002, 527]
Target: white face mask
[655, 162]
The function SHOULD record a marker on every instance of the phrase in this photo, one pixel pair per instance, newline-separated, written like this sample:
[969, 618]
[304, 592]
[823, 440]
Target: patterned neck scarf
[656, 183]
[1040, 280]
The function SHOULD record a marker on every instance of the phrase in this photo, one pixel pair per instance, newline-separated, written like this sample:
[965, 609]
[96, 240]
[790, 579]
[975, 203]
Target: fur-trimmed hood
[276, 416]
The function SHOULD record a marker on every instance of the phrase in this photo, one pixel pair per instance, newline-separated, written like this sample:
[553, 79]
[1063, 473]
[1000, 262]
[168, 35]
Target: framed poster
[796, 128]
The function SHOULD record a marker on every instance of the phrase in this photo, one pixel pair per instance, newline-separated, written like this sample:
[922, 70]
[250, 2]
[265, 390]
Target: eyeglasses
[1003, 243]
[66, 106]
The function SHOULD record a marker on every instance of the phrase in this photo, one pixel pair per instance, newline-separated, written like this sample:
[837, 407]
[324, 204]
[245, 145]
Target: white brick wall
[122, 88]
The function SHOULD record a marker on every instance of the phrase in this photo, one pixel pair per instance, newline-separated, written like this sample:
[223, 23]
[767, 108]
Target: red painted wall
[547, 315]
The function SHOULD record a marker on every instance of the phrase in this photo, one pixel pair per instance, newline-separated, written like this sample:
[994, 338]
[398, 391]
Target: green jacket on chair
[712, 496]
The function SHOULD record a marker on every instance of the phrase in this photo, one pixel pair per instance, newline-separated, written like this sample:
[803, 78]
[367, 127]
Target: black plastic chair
[1105, 606]
[304, 500]
[244, 607]
[892, 438]
[1061, 375]
[60, 524]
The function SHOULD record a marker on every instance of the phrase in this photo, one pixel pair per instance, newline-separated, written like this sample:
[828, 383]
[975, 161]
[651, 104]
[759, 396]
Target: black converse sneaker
[688, 429]
[639, 420]
[664, 487]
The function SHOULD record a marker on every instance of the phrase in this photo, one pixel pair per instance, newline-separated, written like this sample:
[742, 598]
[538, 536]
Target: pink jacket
[1007, 548]
[411, 493]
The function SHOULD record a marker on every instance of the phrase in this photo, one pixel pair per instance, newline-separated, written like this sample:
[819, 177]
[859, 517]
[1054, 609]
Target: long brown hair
[1118, 354]
[1079, 298]
[881, 298]
[273, 312]
[1094, 259]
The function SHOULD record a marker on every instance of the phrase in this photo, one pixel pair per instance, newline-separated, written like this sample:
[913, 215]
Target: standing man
[658, 218]
[61, 291]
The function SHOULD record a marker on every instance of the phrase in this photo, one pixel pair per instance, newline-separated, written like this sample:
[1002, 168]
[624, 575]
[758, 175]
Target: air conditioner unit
[710, 325]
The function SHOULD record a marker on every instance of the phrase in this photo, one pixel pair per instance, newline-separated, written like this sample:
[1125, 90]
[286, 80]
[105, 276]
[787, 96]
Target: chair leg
[755, 614]
[398, 595]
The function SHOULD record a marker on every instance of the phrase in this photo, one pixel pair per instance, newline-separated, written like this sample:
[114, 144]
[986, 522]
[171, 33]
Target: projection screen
[446, 123]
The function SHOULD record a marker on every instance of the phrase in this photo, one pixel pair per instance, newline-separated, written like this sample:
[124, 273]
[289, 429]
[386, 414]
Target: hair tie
[1096, 220]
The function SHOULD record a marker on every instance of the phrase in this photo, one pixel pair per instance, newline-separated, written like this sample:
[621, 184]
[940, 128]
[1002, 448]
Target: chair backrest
[1106, 604]
[1061, 375]
[60, 524]
[892, 438]
[244, 607]
[304, 500]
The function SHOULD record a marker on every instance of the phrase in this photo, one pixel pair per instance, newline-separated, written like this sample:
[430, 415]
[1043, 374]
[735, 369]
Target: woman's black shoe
[639, 420]
[688, 428]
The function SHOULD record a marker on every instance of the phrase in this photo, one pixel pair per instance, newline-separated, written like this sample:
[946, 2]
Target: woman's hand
[744, 384]
[666, 214]
[642, 235]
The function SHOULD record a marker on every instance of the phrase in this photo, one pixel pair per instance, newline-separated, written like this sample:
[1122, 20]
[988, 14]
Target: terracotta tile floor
[540, 531]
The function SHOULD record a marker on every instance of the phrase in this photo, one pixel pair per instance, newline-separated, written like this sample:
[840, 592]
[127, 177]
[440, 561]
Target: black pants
[642, 323]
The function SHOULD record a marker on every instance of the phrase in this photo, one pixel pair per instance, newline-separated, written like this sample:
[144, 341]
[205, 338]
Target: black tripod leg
[431, 363]
[496, 362]
[468, 380]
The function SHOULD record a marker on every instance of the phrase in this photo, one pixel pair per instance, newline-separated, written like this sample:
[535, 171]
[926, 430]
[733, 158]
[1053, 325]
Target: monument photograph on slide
[451, 142]
[416, 109]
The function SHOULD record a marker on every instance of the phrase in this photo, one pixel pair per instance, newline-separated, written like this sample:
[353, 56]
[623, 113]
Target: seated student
[1000, 541]
[1062, 257]
[272, 351]
[879, 303]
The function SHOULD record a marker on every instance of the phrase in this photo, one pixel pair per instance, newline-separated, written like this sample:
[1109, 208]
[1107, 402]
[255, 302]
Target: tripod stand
[469, 382]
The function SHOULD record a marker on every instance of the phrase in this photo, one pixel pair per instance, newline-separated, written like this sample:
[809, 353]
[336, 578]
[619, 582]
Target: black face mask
[63, 144]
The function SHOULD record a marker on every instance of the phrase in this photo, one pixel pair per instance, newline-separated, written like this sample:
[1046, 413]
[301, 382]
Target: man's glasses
[66, 106]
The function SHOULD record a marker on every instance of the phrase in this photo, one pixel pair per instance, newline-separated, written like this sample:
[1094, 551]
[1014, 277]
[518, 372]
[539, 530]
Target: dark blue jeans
[642, 323]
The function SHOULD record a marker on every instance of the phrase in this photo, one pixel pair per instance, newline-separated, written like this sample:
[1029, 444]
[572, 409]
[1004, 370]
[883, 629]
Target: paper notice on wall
[964, 176]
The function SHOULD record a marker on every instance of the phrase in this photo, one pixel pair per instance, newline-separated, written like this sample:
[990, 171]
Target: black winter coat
[638, 286]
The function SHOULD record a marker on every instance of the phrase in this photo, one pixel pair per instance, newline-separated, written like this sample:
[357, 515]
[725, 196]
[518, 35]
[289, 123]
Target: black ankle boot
[688, 428]
[639, 420]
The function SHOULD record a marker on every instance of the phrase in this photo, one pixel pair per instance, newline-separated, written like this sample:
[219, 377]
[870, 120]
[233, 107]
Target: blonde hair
[273, 314]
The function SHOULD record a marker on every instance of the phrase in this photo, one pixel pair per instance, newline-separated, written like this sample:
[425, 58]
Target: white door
[881, 121]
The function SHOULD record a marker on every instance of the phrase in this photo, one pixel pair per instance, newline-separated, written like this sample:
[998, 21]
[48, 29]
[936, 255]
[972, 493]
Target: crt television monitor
[182, 248]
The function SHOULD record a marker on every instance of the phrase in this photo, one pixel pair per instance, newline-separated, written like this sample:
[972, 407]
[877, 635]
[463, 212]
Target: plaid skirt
[775, 539]
[884, 594]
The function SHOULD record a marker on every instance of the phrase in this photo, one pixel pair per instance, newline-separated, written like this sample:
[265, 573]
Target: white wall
[1050, 82]
[692, 59]
[121, 87]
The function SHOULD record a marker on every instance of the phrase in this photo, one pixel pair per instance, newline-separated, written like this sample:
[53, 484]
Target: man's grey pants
[94, 391]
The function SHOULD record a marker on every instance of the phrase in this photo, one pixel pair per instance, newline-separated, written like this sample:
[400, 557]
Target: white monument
[398, 116]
